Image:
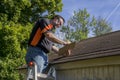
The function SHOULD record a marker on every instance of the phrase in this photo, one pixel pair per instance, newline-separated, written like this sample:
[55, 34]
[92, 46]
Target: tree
[24, 11]
[81, 24]
[78, 26]
[12, 50]
[15, 16]
[101, 27]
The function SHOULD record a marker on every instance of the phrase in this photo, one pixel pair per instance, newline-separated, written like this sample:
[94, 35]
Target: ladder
[32, 71]
[33, 75]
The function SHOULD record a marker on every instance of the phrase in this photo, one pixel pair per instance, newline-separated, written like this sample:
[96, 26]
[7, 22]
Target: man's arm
[54, 39]
[55, 49]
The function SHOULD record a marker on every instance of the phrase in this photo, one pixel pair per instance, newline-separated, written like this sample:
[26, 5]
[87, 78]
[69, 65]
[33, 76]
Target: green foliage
[24, 11]
[15, 26]
[81, 24]
[13, 44]
[101, 27]
[78, 26]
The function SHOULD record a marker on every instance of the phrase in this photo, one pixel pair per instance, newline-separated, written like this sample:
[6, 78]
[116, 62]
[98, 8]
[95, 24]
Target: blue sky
[109, 9]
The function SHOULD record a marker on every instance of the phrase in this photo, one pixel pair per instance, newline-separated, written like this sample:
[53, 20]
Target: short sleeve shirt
[37, 37]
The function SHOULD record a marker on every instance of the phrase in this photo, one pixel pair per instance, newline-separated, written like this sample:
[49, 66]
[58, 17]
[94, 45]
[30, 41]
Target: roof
[101, 46]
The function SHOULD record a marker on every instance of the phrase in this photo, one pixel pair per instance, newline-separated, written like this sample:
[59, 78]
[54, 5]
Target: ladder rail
[32, 71]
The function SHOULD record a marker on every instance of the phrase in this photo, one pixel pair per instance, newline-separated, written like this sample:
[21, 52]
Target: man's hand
[67, 42]
[68, 52]
[67, 49]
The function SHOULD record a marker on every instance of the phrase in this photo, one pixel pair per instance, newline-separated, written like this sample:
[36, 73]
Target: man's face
[58, 22]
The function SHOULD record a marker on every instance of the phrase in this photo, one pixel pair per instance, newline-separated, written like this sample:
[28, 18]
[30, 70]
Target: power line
[107, 18]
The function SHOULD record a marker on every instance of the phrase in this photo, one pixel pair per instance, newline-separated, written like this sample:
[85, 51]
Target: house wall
[106, 68]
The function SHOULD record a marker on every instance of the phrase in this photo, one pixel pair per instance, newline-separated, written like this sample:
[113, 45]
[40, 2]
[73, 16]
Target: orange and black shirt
[37, 37]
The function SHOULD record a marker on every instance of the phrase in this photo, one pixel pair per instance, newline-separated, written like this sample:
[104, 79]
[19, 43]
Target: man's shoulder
[44, 20]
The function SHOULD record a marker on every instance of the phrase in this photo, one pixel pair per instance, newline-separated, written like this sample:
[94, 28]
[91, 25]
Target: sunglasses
[59, 22]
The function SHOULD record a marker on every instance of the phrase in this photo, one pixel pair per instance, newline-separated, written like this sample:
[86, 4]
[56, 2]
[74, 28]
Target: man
[41, 41]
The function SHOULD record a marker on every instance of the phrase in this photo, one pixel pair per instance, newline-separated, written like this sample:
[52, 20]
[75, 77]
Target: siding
[110, 72]
[107, 68]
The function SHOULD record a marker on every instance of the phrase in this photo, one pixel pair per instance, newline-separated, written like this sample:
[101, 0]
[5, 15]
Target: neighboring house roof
[101, 46]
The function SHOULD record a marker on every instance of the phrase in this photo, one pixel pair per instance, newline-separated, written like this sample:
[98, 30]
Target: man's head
[58, 21]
